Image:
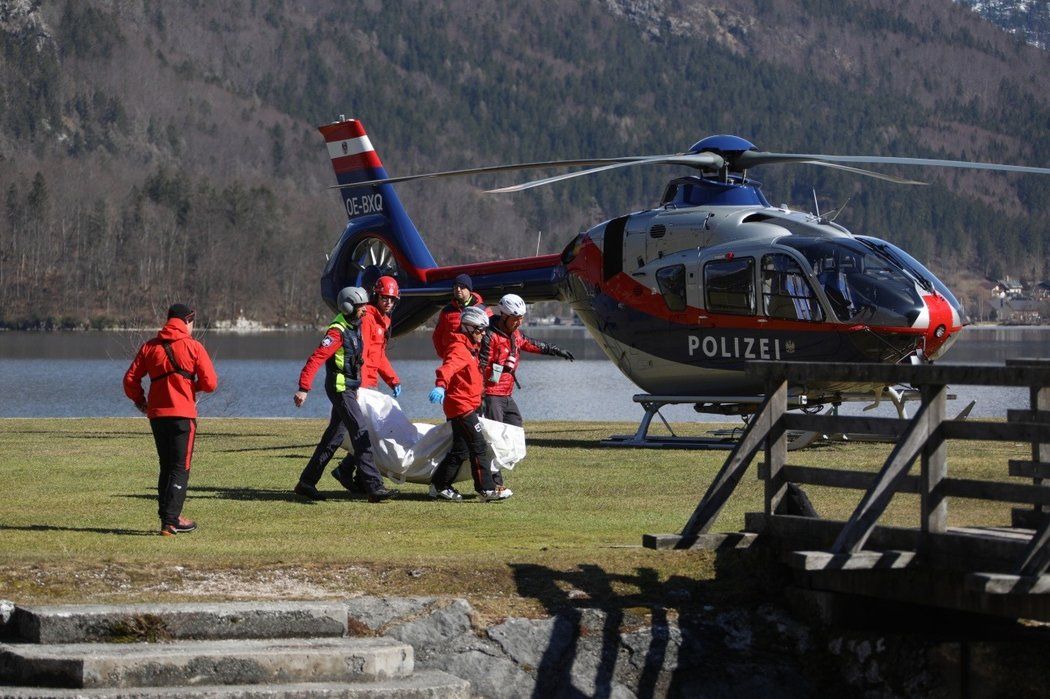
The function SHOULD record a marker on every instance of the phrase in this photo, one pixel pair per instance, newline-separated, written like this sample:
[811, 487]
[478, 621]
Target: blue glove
[397, 390]
[437, 395]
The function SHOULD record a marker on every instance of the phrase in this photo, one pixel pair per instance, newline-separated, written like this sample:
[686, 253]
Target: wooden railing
[1004, 560]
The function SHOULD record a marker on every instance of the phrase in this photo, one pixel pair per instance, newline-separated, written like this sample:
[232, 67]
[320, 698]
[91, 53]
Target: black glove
[559, 352]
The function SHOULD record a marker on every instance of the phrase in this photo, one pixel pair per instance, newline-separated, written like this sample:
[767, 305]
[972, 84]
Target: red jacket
[173, 395]
[375, 331]
[460, 377]
[448, 323]
[505, 350]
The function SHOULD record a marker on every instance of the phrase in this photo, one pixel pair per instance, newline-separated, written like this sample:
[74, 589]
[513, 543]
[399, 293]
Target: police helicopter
[681, 295]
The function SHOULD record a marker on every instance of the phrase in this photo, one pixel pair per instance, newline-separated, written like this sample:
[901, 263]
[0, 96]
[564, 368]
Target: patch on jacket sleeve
[326, 341]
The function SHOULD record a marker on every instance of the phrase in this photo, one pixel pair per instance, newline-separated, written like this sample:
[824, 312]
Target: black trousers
[467, 442]
[501, 409]
[346, 413]
[174, 437]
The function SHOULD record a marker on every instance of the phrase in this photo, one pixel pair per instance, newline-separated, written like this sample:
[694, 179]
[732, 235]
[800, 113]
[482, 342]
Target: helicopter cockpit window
[672, 286]
[861, 283]
[785, 292]
[730, 285]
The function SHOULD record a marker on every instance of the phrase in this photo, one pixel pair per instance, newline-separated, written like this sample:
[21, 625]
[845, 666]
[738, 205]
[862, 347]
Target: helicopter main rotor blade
[704, 161]
[859, 171]
[494, 168]
[749, 159]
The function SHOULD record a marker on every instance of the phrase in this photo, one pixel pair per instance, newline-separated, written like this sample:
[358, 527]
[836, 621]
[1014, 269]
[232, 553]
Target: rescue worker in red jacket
[458, 388]
[341, 352]
[179, 367]
[463, 297]
[499, 356]
[375, 332]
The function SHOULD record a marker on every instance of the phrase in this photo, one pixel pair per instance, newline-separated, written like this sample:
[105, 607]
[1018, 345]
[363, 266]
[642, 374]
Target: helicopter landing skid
[726, 438]
[718, 439]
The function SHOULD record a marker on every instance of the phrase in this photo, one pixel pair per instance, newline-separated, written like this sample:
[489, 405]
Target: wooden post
[731, 472]
[892, 474]
[776, 445]
[933, 503]
[1039, 399]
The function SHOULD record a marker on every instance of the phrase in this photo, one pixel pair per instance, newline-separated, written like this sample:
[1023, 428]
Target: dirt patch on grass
[498, 590]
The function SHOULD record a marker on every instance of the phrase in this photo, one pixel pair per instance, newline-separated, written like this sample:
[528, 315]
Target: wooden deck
[999, 571]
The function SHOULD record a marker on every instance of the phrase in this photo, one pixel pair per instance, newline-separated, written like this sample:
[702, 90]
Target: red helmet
[387, 286]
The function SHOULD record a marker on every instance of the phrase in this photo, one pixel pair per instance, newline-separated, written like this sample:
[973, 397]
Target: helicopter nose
[945, 322]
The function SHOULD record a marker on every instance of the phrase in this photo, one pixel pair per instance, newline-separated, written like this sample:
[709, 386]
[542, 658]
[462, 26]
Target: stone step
[423, 684]
[165, 622]
[191, 663]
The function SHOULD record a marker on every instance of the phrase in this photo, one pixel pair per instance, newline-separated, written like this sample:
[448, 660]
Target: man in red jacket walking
[500, 353]
[463, 297]
[458, 388]
[179, 367]
[341, 352]
[375, 332]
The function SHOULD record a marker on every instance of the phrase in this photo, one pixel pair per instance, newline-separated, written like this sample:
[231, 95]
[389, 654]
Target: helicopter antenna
[841, 208]
[816, 206]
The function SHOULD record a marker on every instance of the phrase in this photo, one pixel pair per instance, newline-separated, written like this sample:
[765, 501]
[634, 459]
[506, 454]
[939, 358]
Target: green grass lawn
[78, 517]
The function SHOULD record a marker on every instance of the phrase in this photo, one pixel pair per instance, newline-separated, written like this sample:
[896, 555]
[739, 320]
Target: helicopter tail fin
[355, 160]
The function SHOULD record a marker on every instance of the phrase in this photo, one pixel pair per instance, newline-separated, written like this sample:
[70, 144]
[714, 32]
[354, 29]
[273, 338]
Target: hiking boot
[305, 490]
[449, 493]
[382, 494]
[349, 483]
[184, 526]
[494, 495]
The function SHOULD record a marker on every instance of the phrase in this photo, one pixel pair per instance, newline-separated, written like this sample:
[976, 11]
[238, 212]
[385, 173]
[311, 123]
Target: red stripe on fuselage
[361, 161]
[342, 130]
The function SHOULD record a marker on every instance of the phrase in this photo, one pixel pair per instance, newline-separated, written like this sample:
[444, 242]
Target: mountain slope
[153, 150]
[1027, 19]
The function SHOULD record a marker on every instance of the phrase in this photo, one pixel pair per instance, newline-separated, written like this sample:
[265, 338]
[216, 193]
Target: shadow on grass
[280, 447]
[629, 604]
[272, 495]
[561, 443]
[86, 530]
[252, 494]
[107, 434]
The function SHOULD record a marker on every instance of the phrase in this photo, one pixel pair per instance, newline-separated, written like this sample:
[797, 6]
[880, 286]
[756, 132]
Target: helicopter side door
[786, 292]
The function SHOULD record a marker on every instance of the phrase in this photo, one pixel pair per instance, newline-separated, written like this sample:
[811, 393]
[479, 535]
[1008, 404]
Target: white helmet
[512, 305]
[350, 297]
[474, 317]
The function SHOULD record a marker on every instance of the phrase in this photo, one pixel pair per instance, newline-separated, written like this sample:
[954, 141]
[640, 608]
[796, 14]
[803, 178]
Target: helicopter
[679, 296]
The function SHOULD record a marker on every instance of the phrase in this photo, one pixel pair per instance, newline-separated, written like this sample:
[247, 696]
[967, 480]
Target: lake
[78, 374]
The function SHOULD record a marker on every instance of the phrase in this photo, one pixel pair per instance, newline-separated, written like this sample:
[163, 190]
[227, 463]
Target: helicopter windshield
[916, 268]
[861, 282]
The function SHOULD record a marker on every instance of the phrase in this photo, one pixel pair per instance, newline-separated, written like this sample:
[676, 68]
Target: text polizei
[741, 347]
[364, 204]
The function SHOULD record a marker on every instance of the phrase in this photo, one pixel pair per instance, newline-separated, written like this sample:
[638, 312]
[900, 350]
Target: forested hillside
[153, 150]
[1028, 19]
